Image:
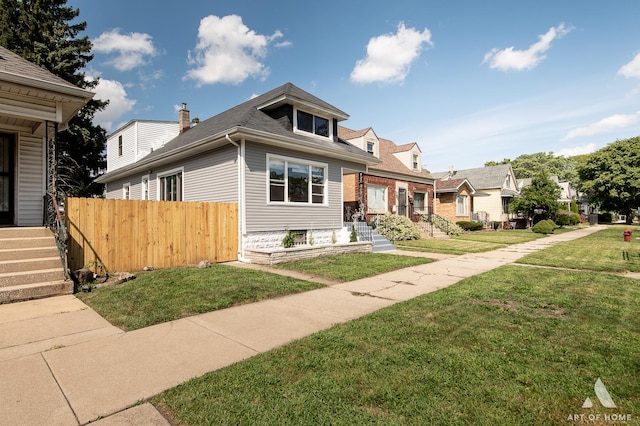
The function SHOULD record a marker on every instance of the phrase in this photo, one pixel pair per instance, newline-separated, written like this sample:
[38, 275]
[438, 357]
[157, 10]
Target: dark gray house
[277, 155]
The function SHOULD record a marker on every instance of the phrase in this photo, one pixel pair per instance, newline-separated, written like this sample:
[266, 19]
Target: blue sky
[468, 81]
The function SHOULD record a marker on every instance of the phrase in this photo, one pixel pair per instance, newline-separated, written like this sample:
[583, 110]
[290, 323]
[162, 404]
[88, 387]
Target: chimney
[451, 171]
[183, 118]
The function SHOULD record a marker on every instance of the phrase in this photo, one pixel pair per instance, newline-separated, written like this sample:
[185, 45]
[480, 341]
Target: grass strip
[353, 266]
[168, 294]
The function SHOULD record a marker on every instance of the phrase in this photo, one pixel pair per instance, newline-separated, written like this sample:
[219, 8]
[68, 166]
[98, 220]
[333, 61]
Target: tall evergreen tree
[42, 32]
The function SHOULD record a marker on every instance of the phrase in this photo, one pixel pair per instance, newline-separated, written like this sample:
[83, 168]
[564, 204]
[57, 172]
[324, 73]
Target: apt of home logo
[605, 400]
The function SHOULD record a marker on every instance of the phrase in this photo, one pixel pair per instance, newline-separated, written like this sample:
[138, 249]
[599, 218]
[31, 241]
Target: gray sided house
[277, 155]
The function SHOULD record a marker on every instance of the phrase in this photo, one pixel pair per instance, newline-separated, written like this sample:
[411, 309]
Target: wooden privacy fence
[127, 235]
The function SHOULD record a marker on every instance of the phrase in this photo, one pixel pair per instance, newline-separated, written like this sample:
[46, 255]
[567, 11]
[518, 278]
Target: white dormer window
[415, 162]
[370, 147]
[309, 123]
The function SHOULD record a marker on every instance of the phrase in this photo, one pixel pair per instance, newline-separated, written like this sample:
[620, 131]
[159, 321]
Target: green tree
[538, 200]
[41, 31]
[611, 177]
[529, 165]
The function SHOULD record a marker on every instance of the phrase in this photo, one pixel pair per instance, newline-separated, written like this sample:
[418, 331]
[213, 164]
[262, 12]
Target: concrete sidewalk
[62, 364]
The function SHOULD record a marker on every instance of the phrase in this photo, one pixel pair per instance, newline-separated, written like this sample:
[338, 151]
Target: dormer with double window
[305, 115]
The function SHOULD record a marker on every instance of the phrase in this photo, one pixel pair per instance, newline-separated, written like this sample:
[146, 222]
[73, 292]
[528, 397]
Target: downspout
[241, 197]
[435, 198]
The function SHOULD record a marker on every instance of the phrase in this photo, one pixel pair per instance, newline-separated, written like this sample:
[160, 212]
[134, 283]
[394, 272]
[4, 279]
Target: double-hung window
[296, 181]
[170, 186]
[312, 124]
[126, 191]
[418, 201]
[376, 199]
[461, 205]
[145, 188]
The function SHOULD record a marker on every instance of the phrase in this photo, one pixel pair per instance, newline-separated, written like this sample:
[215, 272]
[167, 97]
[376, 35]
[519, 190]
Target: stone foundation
[278, 255]
[273, 239]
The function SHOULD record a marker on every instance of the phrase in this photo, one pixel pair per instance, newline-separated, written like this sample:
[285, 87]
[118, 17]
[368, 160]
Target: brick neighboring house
[398, 184]
[495, 187]
[454, 199]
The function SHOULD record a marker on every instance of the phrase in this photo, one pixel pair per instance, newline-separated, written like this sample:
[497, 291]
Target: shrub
[289, 238]
[470, 226]
[396, 228]
[564, 218]
[574, 207]
[546, 226]
[353, 237]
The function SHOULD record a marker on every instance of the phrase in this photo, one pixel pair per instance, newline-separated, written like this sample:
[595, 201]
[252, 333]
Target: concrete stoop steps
[380, 243]
[30, 267]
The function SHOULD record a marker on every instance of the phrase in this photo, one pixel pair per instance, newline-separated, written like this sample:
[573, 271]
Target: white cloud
[519, 60]
[631, 69]
[131, 49]
[114, 92]
[577, 150]
[608, 124]
[389, 56]
[228, 51]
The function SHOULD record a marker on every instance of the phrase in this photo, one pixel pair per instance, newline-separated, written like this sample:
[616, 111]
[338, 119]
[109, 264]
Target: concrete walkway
[63, 364]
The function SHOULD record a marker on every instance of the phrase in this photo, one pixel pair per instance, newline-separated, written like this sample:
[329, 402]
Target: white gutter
[242, 227]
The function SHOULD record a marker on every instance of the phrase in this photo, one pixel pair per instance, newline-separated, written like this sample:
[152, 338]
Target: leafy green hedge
[470, 226]
[565, 217]
[546, 226]
[396, 228]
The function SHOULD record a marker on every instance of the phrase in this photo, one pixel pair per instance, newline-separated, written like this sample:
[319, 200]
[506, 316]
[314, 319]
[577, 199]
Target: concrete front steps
[30, 266]
[380, 243]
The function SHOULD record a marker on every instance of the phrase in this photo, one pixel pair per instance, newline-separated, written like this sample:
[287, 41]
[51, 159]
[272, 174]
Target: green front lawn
[349, 267]
[603, 251]
[470, 242]
[168, 294]
[512, 346]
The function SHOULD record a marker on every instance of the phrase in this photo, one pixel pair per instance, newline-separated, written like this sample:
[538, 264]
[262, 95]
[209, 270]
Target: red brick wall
[392, 190]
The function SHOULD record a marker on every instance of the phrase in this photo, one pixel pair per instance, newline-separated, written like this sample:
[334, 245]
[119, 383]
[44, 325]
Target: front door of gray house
[6, 179]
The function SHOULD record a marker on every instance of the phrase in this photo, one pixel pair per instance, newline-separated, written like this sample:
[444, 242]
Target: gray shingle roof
[248, 116]
[12, 63]
[482, 177]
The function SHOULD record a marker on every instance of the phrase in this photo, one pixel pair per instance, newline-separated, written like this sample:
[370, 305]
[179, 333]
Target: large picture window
[376, 199]
[297, 181]
[312, 124]
[170, 187]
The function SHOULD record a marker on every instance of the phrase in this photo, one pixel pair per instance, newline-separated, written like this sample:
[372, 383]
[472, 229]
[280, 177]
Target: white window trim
[386, 198]
[325, 193]
[465, 205]
[169, 173]
[142, 180]
[303, 132]
[425, 205]
[126, 191]
[373, 145]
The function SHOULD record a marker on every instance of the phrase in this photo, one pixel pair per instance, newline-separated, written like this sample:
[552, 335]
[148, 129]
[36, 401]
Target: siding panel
[211, 177]
[31, 178]
[264, 217]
